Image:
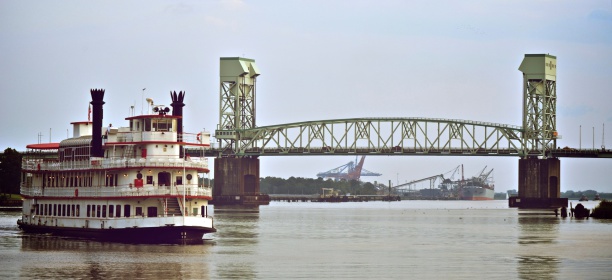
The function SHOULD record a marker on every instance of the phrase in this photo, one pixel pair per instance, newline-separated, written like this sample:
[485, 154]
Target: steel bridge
[380, 136]
[392, 136]
[241, 142]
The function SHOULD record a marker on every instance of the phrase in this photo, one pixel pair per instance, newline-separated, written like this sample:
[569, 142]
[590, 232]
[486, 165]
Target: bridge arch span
[382, 136]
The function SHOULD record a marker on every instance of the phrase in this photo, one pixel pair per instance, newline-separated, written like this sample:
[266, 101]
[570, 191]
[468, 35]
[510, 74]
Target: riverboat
[132, 184]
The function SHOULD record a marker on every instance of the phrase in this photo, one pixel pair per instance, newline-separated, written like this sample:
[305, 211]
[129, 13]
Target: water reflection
[236, 244]
[538, 267]
[538, 232]
[57, 257]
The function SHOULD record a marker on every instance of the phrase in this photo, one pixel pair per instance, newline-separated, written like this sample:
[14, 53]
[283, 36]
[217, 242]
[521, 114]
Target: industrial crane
[432, 181]
[349, 171]
[448, 185]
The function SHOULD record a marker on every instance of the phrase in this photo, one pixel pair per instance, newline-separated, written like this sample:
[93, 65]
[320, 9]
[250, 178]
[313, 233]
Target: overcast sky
[318, 60]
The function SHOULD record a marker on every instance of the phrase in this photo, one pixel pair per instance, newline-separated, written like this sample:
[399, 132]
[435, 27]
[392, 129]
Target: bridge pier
[236, 184]
[539, 184]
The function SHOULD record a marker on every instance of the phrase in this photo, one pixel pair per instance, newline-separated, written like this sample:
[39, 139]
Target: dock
[319, 198]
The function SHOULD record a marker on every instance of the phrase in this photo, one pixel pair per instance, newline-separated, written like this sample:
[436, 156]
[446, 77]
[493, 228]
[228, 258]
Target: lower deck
[129, 219]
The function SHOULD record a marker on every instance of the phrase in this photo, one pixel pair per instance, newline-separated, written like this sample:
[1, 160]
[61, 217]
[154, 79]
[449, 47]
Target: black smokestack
[177, 110]
[97, 101]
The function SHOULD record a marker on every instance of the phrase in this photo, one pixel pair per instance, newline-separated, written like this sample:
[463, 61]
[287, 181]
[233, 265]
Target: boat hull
[477, 193]
[142, 235]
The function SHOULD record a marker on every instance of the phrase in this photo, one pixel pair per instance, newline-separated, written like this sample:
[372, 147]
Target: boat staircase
[173, 207]
[128, 151]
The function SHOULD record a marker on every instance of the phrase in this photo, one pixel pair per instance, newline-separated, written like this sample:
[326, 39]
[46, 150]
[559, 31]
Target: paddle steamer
[125, 184]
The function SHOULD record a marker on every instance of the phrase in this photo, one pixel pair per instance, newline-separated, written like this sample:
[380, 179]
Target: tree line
[293, 185]
[10, 171]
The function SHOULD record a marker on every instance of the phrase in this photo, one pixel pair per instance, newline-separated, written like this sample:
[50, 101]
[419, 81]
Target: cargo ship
[130, 184]
[476, 193]
[479, 187]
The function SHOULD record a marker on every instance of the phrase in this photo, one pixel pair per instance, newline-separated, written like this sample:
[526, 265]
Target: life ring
[198, 137]
[76, 192]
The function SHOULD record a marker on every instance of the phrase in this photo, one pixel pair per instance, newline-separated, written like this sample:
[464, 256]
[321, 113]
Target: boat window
[98, 211]
[66, 210]
[179, 180]
[138, 211]
[111, 180]
[88, 210]
[147, 125]
[118, 208]
[204, 211]
[195, 211]
[151, 211]
[103, 211]
[126, 210]
[163, 179]
[54, 209]
[73, 211]
[78, 210]
[149, 180]
[162, 125]
[111, 211]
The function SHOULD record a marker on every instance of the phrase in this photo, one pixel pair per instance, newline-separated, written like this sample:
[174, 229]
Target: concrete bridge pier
[236, 184]
[539, 184]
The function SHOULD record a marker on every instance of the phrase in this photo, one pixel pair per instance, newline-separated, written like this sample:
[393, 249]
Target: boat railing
[136, 136]
[116, 162]
[121, 191]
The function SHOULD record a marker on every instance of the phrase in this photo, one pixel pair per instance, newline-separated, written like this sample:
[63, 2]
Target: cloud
[601, 15]
[180, 8]
[234, 5]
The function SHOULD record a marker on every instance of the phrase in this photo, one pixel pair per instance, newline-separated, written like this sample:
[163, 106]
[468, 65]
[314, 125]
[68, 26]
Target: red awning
[43, 146]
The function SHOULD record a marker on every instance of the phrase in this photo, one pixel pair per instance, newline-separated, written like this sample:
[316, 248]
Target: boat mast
[184, 190]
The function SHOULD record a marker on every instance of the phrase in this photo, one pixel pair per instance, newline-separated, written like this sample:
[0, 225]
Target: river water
[379, 240]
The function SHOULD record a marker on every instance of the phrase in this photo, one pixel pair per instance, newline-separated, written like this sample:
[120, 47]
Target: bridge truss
[385, 136]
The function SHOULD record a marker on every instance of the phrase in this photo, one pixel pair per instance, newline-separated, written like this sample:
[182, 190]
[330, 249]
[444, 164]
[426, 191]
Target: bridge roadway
[388, 136]
[320, 151]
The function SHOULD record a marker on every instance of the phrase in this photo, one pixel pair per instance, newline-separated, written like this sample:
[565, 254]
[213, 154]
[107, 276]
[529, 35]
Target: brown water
[382, 240]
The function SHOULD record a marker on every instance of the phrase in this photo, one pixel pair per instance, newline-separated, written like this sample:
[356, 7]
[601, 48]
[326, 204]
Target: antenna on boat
[150, 102]
[142, 102]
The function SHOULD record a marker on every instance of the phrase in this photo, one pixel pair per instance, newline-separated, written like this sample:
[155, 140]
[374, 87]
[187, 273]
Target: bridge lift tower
[539, 176]
[236, 177]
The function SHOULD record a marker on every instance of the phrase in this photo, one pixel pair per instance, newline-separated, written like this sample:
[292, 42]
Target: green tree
[10, 171]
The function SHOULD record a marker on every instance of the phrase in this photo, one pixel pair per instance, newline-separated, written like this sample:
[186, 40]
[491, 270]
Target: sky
[318, 60]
